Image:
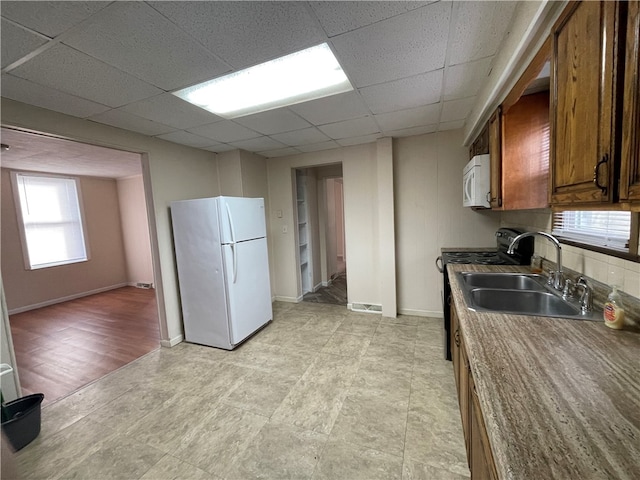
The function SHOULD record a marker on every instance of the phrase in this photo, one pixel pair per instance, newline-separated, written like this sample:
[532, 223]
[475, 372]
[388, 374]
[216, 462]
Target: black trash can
[22, 424]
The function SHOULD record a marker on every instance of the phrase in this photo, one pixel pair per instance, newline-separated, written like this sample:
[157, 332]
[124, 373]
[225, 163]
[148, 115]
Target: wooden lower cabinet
[479, 456]
[481, 461]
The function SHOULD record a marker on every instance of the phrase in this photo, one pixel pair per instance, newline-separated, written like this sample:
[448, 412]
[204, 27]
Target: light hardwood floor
[63, 347]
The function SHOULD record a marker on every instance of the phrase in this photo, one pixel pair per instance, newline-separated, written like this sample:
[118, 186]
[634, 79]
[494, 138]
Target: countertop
[560, 397]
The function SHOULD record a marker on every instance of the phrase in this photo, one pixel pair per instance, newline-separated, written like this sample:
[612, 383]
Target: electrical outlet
[284, 229]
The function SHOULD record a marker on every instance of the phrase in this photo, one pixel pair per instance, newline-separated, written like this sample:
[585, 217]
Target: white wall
[331, 235]
[339, 214]
[430, 215]
[230, 174]
[135, 230]
[361, 220]
[176, 172]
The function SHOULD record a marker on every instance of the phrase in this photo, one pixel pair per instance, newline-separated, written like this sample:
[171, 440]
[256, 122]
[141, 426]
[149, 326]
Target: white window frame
[21, 226]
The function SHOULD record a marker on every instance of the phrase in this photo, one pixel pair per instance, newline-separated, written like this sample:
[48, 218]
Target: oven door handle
[441, 266]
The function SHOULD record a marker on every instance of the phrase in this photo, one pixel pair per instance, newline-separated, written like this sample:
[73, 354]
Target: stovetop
[478, 258]
[493, 256]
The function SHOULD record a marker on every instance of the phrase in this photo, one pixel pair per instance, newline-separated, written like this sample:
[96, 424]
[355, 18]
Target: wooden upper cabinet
[525, 153]
[519, 140]
[495, 156]
[630, 158]
[481, 144]
[584, 63]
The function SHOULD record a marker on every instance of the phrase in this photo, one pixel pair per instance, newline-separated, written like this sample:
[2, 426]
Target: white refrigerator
[223, 268]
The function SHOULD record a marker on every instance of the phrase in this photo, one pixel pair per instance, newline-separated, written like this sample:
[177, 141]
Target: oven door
[445, 294]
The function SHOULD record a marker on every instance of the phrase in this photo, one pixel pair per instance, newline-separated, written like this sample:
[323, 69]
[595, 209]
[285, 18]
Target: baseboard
[144, 285]
[65, 299]
[421, 313]
[280, 298]
[320, 285]
[172, 342]
[365, 308]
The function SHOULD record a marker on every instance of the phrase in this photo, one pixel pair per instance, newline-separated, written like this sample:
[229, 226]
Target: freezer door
[248, 287]
[200, 272]
[241, 219]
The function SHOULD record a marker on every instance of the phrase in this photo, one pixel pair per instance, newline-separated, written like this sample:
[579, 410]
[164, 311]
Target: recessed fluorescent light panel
[299, 77]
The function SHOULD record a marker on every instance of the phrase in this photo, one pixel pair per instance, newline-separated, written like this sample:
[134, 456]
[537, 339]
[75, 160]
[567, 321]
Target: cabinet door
[525, 153]
[481, 462]
[582, 82]
[630, 168]
[463, 399]
[495, 154]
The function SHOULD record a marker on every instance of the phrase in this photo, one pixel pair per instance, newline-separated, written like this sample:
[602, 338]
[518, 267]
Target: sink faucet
[558, 281]
[586, 299]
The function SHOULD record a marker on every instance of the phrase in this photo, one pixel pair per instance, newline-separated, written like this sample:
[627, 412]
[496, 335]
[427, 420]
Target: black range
[480, 256]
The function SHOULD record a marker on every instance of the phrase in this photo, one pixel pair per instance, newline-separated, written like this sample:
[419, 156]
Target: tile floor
[321, 393]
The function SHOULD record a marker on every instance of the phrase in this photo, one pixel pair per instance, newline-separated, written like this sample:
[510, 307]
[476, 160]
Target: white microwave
[476, 182]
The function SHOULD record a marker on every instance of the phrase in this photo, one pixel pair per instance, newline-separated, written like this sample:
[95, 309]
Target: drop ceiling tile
[31, 93]
[246, 33]
[316, 147]
[453, 125]
[465, 79]
[346, 142]
[457, 109]
[341, 17]
[280, 152]
[412, 117]
[157, 51]
[50, 18]
[120, 119]
[419, 44]
[301, 137]
[409, 132]
[171, 110]
[350, 128]
[258, 144]
[478, 29]
[186, 138]
[332, 109]
[17, 42]
[274, 121]
[225, 131]
[423, 89]
[70, 71]
[221, 147]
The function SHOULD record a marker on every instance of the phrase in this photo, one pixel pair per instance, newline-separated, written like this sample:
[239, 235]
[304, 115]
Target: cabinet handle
[596, 171]
[457, 338]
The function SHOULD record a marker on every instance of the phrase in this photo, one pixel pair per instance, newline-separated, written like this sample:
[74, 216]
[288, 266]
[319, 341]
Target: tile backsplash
[603, 268]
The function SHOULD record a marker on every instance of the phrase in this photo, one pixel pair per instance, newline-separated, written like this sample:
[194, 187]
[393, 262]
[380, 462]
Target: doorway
[73, 323]
[327, 235]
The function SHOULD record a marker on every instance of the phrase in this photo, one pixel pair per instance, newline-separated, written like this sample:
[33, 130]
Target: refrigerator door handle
[233, 233]
[233, 244]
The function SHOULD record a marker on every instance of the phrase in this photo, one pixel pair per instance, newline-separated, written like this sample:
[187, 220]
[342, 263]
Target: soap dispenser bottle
[614, 310]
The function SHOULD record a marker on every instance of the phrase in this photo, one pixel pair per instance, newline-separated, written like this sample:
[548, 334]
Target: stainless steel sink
[524, 302]
[520, 294]
[516, 281]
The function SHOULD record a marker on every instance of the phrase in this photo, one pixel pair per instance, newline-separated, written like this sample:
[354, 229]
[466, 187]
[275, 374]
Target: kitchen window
[50, 218]
[611, 232]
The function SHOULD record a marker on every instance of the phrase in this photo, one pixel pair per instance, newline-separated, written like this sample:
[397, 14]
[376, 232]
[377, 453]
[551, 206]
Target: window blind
[601, 228]
[52, 221]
